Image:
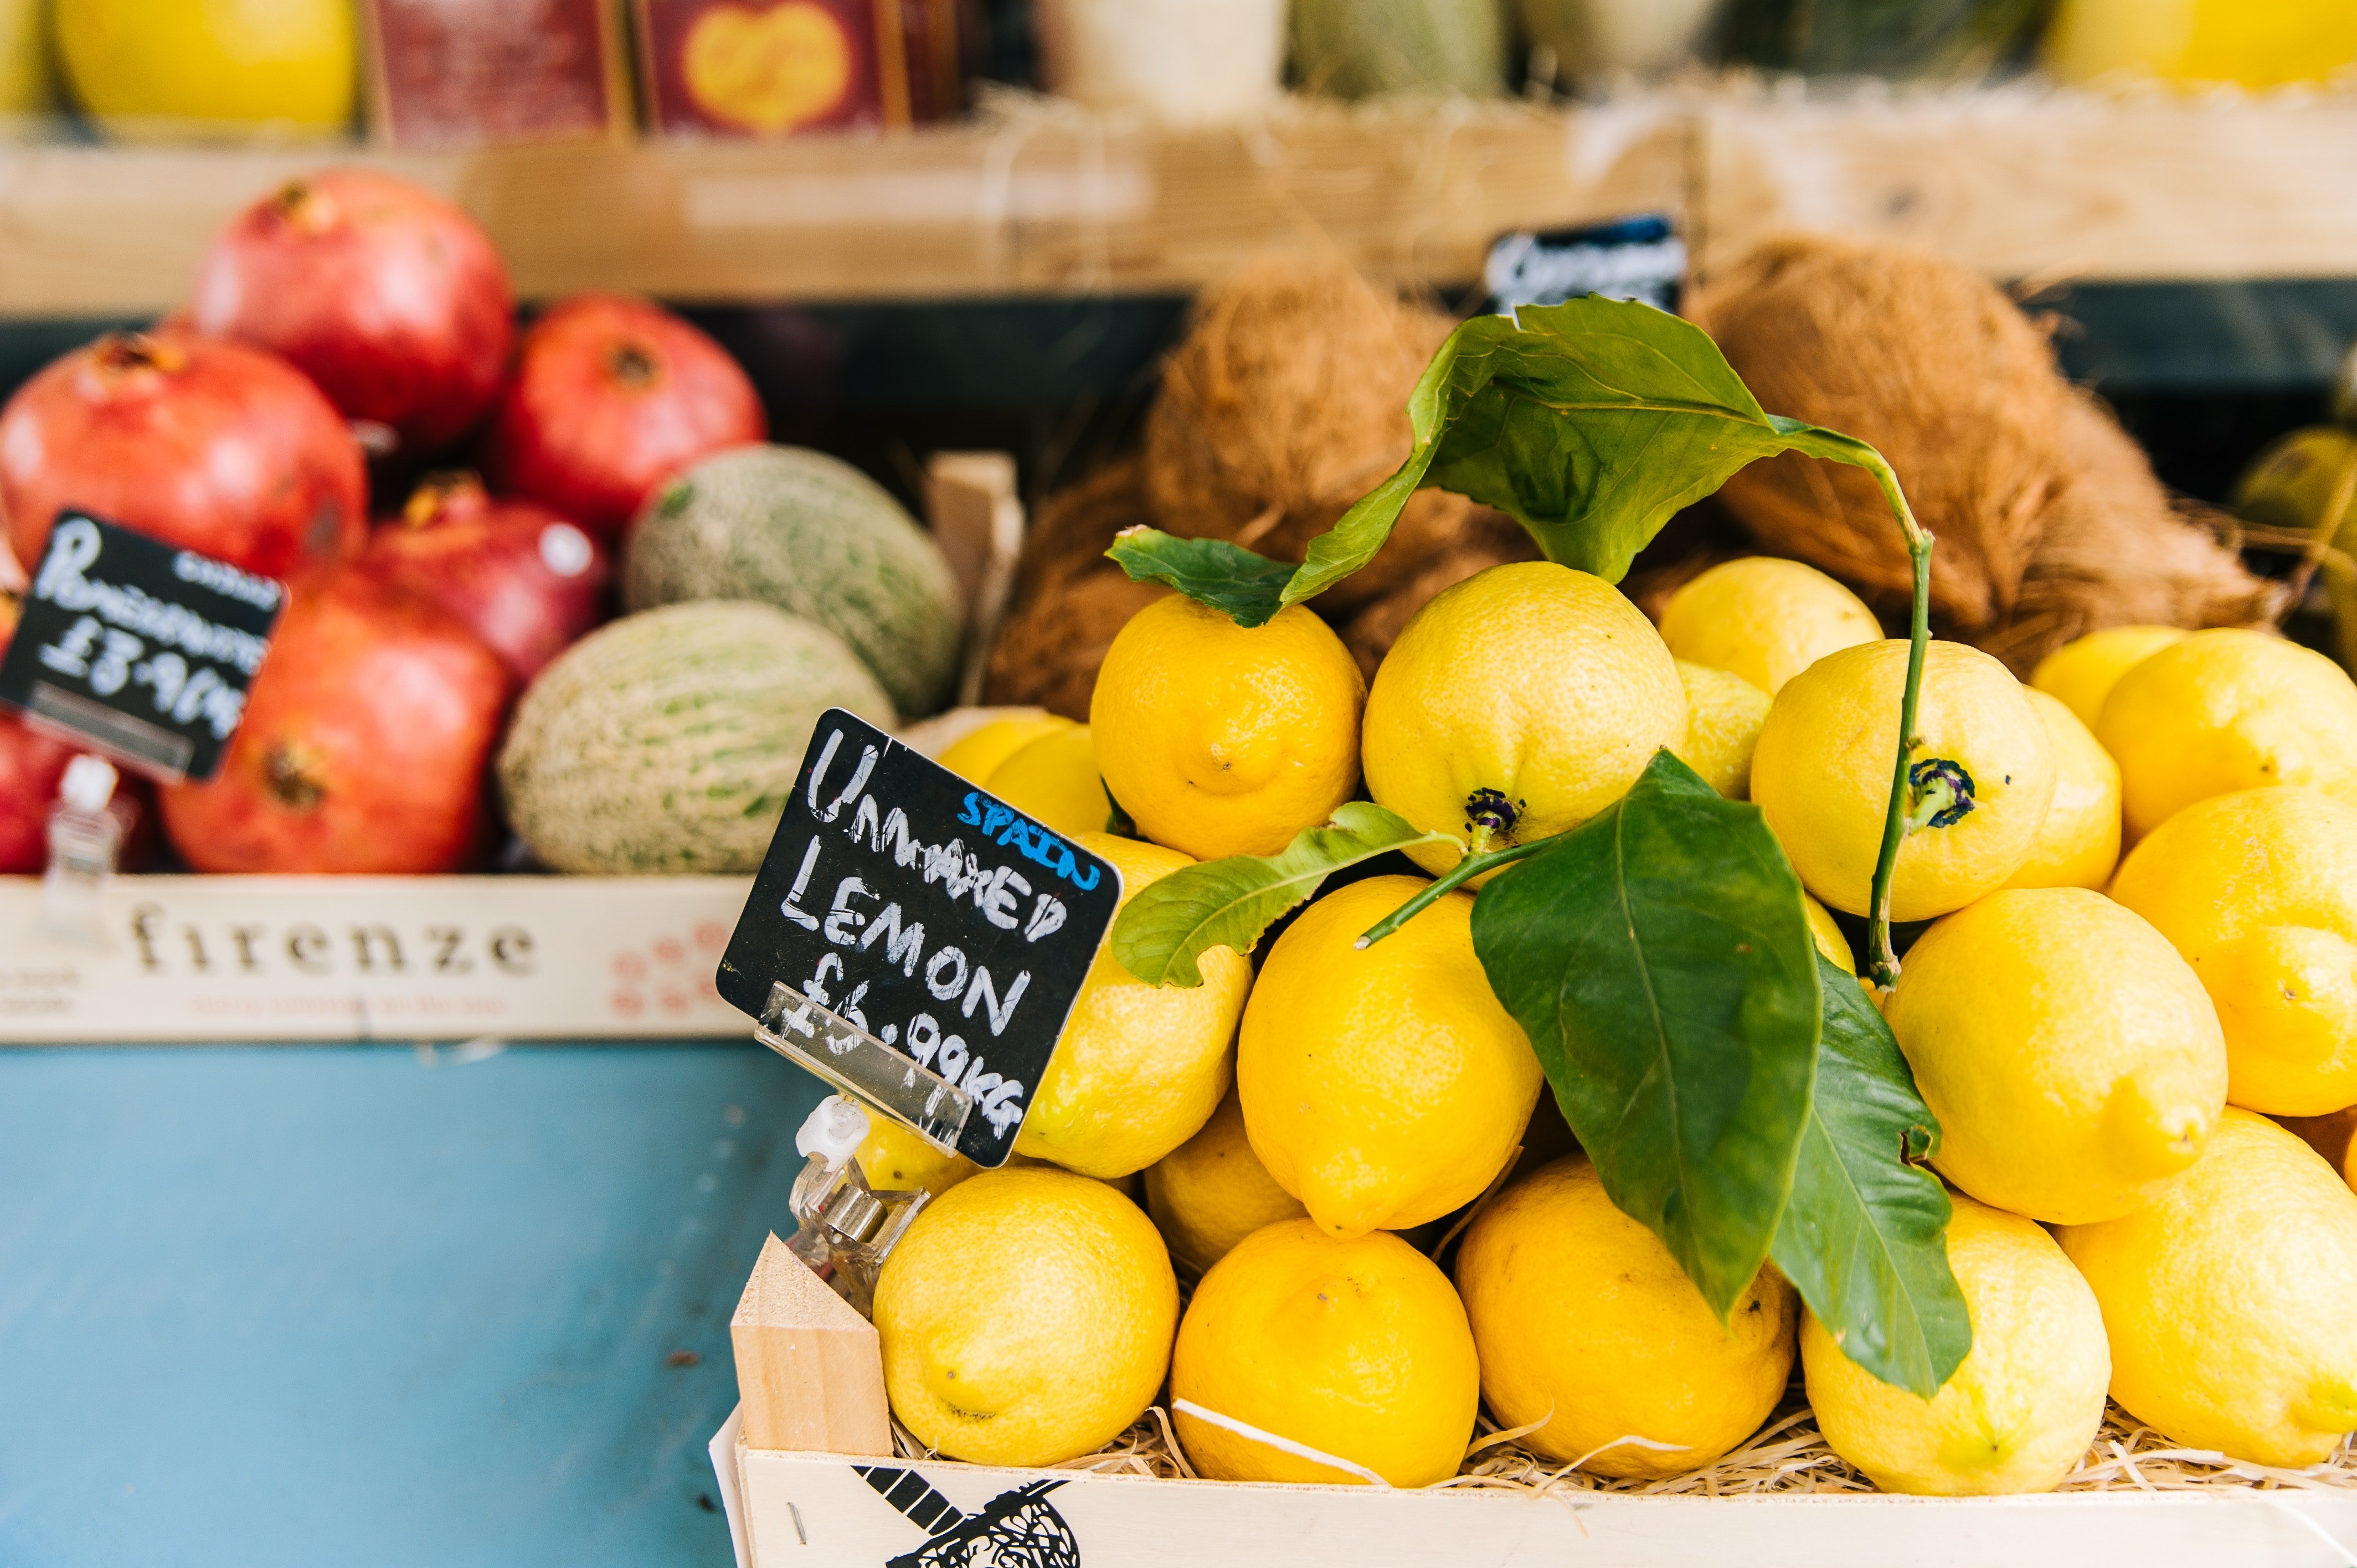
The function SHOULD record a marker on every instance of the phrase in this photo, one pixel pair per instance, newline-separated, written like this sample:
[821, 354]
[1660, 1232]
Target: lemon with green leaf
[2018, 1413]
[1518, 705]
[1382, 1086]
[1588, 1325]
[1139, 1067]
[1219, 739]
[1980, 776]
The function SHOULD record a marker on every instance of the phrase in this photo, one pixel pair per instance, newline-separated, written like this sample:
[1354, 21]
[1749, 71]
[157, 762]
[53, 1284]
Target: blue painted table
[344, 1305]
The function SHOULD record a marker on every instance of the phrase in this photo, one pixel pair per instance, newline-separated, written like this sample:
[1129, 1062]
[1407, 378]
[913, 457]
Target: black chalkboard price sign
[143, 650]
[917, 939]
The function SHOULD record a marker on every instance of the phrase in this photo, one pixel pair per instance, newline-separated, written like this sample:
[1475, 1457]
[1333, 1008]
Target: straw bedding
[1785, 1457]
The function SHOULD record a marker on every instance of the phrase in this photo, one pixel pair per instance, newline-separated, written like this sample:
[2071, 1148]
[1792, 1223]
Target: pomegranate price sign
[140, 648]
[915, 939]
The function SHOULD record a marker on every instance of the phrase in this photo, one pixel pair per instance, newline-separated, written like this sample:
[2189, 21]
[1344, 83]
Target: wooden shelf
[1049, 200]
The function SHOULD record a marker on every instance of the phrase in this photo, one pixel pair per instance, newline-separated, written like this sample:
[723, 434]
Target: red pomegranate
[393, 299]
[364, 744]
[211, 446]
[518, 576]
[612, 396]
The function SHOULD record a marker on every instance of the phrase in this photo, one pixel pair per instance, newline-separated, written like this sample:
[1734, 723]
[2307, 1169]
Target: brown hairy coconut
[1933, 365]
[2048, 520]
[2114, 551]
[1286, 402]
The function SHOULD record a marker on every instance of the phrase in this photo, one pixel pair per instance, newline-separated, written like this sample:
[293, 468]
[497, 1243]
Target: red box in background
[457, 73]
[778, 68]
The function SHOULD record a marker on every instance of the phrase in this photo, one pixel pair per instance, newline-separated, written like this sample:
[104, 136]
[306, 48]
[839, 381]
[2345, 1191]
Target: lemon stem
[1464, 871]
[1881, 960]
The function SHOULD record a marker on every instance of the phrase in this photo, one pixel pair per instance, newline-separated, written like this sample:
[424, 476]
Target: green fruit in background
[666, 743]
[2293, 485]
[2289, 484]
[814, 536]
[145, 66]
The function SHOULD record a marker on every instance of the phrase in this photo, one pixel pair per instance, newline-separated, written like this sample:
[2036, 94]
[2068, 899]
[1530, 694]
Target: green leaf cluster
[1592, 423]
[1738, 1095]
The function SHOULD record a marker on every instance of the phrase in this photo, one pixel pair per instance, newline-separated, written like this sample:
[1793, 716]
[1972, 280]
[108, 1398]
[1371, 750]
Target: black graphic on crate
[1015, 1530]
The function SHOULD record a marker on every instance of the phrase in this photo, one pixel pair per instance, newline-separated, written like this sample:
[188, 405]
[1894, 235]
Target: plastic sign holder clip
[845, 1227]
[859, 1064]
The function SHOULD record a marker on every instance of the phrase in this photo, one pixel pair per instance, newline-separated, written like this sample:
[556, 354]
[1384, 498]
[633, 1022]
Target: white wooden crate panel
[368, 958]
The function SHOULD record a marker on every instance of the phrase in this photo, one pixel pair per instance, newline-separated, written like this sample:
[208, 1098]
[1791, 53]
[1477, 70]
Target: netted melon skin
[665, 742]
[817, 538]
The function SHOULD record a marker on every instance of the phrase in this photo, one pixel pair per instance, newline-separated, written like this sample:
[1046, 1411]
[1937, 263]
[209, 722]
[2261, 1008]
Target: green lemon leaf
[1862, 1238]
[1658, 957]
[1167, 925]
[1248, 589]
[1592, 422]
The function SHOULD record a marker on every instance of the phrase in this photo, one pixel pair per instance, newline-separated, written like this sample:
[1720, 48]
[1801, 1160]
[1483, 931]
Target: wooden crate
[809, 1370]
[177, 959]
[787, 1511]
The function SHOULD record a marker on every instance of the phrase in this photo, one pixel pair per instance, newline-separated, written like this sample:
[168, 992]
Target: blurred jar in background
[1184, 62]
[2249, 43]
[1585, 39]
[160, 69]
[1360, 48]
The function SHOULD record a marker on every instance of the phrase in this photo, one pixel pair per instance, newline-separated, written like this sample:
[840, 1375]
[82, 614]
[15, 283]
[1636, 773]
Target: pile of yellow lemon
[2107, 1044]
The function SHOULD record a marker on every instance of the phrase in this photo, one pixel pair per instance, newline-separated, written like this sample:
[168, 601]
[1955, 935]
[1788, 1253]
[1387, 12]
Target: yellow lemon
[895, 1159]
[975, 754]
[1140, 1069]
[2227, 710]
[1982, 776]
[2081, 673]
[2078, 842]
[2228, 1299]
[1383, 1085]
[1219, 740]
[1025, 1318]
[1724, 714]
[1212, 1191]
[189, 62]
[2258, 890]
[1586, 1322]
[1053, 777]
[2071, 1056]
[1828, 936]
[1516, 704]
[2019, 1415]
[1357, 1349]
[1765, 619]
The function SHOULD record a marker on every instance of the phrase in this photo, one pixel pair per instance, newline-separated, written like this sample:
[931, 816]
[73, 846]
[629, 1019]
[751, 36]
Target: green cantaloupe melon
[666, 743]
[815, 537]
